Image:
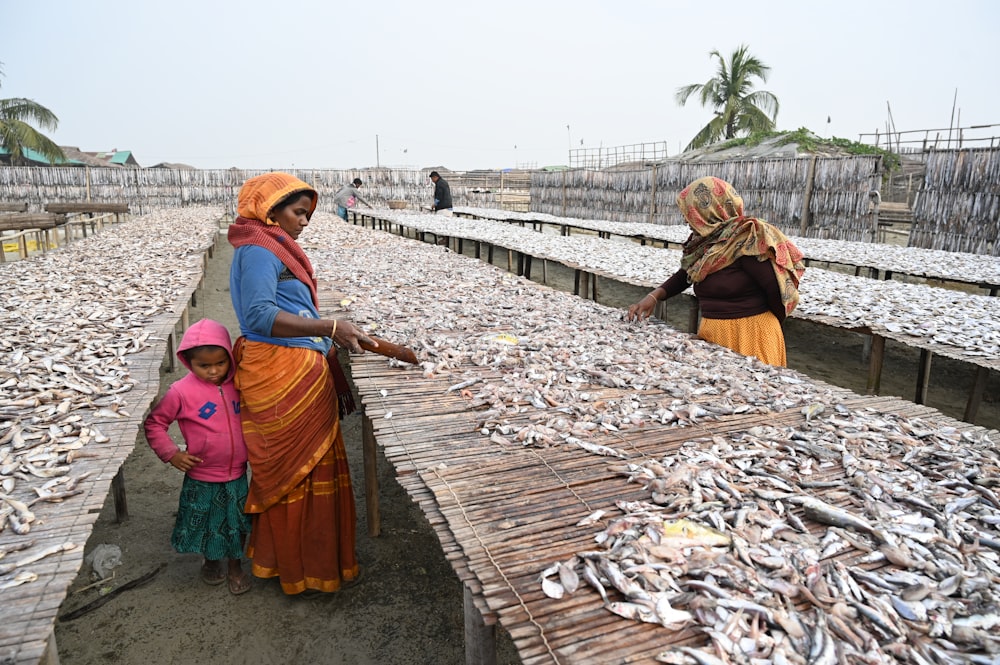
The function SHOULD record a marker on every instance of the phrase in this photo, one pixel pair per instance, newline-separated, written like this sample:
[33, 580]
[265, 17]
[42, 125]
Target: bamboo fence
[147, 189]
[958, 207]
[817, 197]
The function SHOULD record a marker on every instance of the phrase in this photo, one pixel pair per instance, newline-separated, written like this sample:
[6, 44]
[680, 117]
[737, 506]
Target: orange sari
[301, 498]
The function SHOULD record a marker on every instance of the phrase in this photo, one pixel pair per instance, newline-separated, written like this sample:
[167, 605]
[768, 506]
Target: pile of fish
[954, 323]
[71, 320]
[905, 568]
[539, 366]
[928, 263]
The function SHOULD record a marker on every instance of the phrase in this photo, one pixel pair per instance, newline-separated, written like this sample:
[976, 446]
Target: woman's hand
[642, 309]
[350, 337]
[184, 462]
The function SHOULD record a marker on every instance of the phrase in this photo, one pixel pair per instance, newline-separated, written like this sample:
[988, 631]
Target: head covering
[257, 198]
[206, 332]
[721, 233]
[260, 194]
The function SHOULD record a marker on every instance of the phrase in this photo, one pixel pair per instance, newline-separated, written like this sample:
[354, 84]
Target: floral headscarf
[720, 234]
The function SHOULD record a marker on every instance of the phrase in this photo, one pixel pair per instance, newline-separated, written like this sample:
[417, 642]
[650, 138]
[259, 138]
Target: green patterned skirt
[210, 518]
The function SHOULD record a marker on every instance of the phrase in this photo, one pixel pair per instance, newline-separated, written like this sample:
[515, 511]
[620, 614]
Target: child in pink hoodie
[206, 407]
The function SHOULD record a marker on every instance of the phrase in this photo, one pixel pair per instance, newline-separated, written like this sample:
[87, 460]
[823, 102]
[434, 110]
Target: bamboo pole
[807, 197]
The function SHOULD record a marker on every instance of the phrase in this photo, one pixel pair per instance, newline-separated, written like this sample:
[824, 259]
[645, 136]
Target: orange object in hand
[391, 350]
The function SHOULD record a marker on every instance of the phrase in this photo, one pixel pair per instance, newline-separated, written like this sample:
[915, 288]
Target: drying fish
[685, 533]
[828, 514]
[550, 587]
[596, 448]
[23, 577]
[37, 555]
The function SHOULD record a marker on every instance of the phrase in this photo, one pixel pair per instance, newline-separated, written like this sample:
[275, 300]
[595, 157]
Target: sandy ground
[408, 608]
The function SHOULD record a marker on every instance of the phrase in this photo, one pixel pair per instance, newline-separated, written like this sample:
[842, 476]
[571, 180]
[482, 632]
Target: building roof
[76, 155]
[37, 158]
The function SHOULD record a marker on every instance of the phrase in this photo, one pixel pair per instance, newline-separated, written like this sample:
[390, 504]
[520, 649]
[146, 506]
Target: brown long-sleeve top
[747, 287]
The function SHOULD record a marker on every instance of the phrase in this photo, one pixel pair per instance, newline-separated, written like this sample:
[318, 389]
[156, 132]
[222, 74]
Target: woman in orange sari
[292, 394]
[745, 273]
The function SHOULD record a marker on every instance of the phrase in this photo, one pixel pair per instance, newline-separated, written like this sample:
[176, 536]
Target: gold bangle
[334, 331]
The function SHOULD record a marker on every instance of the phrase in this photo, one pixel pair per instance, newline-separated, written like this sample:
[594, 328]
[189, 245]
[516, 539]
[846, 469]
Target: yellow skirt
[759, 336]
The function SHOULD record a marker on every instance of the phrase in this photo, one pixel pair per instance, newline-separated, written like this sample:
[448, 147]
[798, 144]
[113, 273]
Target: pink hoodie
[208, 415]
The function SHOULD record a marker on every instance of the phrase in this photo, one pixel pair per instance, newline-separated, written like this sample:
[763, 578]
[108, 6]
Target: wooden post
[118, 491]
[693, 314]
[976, 395]
[652, 197]
[371, 476]
[875, 364]
[923, 376]
[171, 358]
[807, 197]
[563, 194]
[480, 639]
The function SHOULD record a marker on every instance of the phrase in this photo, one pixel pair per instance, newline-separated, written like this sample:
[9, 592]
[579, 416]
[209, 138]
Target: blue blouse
[261, 286]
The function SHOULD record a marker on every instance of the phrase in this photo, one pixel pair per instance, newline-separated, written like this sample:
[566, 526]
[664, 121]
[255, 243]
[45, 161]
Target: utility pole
[376, 152]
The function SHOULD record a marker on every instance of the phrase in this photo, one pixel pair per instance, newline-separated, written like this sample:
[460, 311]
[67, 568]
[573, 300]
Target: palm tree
[16, 134]
[738, 107]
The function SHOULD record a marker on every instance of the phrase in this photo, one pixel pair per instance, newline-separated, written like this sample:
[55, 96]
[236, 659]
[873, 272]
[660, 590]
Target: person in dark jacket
[442, 194]
[745, 273]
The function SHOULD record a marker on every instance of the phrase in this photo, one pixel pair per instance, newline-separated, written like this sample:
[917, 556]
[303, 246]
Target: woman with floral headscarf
[745, 273]
[292, 394]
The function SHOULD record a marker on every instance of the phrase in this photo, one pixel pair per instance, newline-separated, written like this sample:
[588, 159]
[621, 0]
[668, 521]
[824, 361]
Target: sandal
[212, 575]
[350, 583]
[240, 585]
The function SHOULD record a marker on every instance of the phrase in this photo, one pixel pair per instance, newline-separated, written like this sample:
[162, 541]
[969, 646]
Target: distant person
[745, 273]
[293, 394]
[347, 197]
[205, 405]
[442, 195]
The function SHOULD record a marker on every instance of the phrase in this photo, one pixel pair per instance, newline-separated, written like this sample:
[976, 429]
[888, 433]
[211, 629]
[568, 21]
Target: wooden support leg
[371, 476]
[976, 395]
[545, 271]
[480, 639]
[171, 357]
[576, 282]
[526, 258]
[593, 288]
[185, 319]
[118, 491]
[489, 258]
[693, 314]
[875, 364]
[923, 376]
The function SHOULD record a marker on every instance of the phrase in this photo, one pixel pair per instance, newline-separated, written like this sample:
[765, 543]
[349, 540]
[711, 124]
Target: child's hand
[184, 462]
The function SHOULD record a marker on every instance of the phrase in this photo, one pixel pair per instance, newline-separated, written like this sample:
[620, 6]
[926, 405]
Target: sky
[477, 85]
